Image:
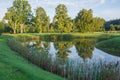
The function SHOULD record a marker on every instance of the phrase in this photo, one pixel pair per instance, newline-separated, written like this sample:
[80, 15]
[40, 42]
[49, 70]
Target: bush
[1, 27]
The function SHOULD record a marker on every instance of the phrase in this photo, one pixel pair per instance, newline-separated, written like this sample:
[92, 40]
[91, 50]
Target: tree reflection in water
[63, 48]
[85, 47]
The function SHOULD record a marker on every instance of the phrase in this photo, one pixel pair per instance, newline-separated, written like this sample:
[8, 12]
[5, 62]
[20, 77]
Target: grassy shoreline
[111, 46]
[14, 67]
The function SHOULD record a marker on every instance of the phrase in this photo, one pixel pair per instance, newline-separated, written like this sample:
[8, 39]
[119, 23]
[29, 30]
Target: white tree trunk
[21, 28]
[14, 28]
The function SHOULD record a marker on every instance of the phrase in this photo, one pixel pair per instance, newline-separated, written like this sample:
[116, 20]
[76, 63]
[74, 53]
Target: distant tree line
[19, 19]
[113, 25]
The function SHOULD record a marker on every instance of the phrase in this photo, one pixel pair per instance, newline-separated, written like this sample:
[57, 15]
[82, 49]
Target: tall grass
[71, 70]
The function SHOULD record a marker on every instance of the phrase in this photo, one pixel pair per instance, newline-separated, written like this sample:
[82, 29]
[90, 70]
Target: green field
[14, 67]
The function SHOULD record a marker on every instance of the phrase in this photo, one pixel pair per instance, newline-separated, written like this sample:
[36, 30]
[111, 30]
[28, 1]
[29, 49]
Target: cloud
[109, 14]
[102, 1]
[69, 3]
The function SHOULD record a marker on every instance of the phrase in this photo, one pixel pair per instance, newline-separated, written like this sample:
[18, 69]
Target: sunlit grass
[14, 67]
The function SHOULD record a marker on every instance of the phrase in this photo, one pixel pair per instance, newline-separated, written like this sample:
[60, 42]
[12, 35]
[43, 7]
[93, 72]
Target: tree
[17, 15]
[112, 27]
[61, 21]
[115, 23]
[1, 27]
[30, 28]
[98, 24]
[12, 18]
[24, 9]
[84, 21]
[42, 20]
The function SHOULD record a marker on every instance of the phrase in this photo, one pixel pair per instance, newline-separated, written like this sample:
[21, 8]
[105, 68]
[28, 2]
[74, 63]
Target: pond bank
[111, 46]
[105, 56]
[15, 67]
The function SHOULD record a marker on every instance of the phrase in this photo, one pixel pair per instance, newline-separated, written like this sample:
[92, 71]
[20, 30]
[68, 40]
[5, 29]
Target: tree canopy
[85, 22]
[42, 20]
[61, 20]
[113, 25]
[17, 15]
[21, 20]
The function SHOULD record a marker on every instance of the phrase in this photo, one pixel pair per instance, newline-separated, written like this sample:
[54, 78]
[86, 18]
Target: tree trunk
[14, 31]
[21, 28]
[40, 29]
[14, 28]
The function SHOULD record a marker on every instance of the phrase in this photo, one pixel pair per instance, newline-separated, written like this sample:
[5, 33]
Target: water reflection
[85, 47]
[77, 49]
[62, 49]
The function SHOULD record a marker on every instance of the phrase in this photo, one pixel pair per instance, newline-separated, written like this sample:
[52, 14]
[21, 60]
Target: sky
[107, 9]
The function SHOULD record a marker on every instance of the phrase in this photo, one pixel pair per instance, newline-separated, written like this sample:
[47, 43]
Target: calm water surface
[76, 49]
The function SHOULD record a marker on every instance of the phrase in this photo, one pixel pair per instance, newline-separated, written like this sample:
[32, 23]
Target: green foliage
[17, 15]
[21, 20]
[85, 22]
[7, 28]
[112, 27]
[42, 20]
[62, 22]
[112, 23]
[12, 18]
[98, 24]
[1, 27]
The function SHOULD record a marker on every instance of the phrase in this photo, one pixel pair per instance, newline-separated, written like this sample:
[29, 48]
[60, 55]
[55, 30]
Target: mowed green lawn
[14, 67]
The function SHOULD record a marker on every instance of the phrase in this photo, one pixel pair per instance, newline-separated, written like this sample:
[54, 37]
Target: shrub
[1, 27]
